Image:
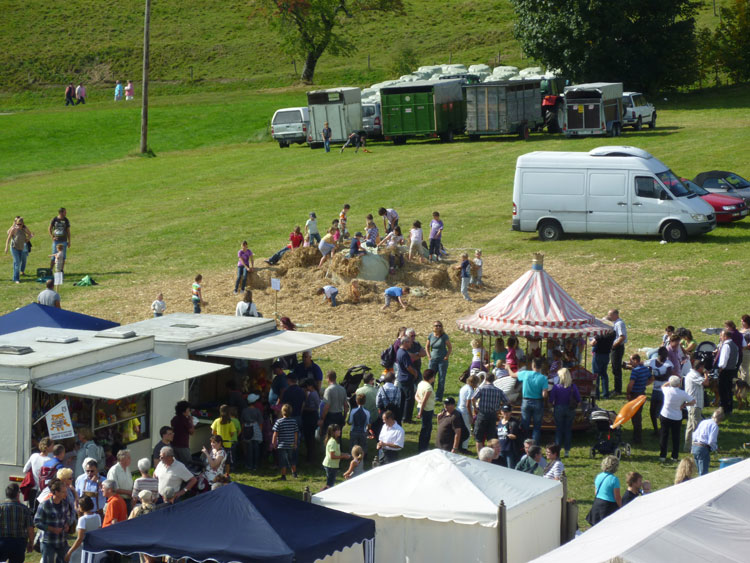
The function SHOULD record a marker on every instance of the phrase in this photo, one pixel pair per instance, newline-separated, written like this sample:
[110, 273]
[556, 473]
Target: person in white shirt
[695, 380]
[618, 349]
[705, 440]
[671, 416]
[246, 307]
[391, 439]
[158, 306]
[120, 474]
[173, 473]
[36, 460]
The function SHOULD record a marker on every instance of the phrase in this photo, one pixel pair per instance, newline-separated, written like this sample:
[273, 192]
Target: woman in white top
[246, 307]
[660, 367]
[88, 522]
[671, 416]
[217, 457]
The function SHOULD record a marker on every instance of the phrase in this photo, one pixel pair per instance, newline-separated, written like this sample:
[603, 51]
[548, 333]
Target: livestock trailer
[340, 107]
[593, 109]
[503, 108]
[423, 108]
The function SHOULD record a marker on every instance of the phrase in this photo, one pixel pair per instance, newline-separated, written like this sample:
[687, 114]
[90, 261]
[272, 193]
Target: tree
[310, 28]
[645, 44]
[732, 39]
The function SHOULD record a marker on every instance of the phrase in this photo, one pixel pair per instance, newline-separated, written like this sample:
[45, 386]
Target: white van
[290, 125]
[615, 190]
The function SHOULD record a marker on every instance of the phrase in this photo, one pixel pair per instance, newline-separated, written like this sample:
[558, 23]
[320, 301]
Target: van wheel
[549, 230]
[652, 125]
[638, 124]
[674, 232]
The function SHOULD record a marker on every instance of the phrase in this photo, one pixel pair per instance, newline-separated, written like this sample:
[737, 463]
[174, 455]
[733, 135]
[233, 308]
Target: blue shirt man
[535, 386]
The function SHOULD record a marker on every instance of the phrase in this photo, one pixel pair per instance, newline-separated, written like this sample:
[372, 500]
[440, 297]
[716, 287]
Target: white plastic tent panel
[270, 346]
[131, 379]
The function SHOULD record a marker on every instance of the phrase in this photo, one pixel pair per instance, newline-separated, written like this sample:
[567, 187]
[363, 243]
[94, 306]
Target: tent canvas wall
[703, 519]
[439, 506]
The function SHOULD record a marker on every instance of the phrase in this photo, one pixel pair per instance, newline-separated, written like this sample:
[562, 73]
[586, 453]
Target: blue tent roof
[236, 523]
[41, 315]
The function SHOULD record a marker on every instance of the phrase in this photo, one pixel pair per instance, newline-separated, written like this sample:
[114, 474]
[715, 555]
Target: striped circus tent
[533, 306]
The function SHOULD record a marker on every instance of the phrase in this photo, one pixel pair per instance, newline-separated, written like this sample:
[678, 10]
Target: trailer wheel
[674, 232]
[549, 230]
[616, 129]
[524, 132]
[399, 140]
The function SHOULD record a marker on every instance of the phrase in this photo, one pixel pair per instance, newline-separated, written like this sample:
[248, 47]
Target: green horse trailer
[424, 108]
[503, 108]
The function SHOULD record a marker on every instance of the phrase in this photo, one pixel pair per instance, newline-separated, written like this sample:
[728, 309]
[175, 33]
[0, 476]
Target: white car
[638, 111]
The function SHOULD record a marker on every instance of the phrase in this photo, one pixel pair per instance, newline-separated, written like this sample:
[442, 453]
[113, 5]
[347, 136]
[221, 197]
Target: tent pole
[502, 533]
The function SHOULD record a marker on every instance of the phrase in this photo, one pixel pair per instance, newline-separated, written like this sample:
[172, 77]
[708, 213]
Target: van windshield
[293, 116]
[673, 183]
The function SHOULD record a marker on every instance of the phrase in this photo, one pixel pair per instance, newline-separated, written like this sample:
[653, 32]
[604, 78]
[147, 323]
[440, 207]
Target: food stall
[116, 385]
[245, 346]
[536, 308]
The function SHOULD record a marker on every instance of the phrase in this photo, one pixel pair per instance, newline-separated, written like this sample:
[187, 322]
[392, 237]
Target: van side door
[608, 206]
[650, 203]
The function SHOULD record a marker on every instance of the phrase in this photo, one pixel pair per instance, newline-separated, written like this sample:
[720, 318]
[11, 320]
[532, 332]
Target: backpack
[388, 357]
[48, 471]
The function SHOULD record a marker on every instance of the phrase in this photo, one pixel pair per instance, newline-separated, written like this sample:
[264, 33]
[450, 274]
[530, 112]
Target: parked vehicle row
[452, 106]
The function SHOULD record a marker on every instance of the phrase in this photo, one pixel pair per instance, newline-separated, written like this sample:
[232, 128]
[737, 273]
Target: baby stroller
[608, 440]
[353, 381]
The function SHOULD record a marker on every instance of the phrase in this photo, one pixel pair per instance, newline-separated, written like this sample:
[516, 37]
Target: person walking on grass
[326, 135]
[285, 440]
[69, 95]
[670, 416]
[333, 455]
[80, 94]
[19, 236]
[311, 230]
[118, 91]
[59, 232]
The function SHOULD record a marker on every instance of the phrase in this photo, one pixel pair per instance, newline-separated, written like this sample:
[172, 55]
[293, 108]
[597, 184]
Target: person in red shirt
[116, 510]
[296, 238]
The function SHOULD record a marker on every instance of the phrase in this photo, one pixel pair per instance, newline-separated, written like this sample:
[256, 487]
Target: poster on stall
[59, 423]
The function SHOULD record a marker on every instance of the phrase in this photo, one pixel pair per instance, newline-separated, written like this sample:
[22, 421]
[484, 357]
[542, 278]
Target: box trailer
[593, 109]
[432, 108]
[116, 386]
[340, 107]
[503, 108]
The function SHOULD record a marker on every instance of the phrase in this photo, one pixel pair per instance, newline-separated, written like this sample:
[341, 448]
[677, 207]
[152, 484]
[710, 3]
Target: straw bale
[301, 257]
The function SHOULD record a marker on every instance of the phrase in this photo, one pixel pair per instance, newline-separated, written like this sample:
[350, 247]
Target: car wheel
[638, 124]
[652, 125]
[674, 232]
[549, 230]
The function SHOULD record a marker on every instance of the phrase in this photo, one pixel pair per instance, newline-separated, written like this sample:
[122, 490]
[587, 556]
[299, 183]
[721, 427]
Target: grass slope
[48, 44]
[140, 224]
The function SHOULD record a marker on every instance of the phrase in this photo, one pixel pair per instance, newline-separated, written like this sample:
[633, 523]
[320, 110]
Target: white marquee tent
[439, 506]
[704, 519]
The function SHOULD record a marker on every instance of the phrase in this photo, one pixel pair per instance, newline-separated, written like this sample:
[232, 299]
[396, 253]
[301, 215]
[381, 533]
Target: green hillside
[50, 43]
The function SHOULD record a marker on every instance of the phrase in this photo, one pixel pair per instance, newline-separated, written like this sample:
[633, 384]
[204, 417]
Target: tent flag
[58, 421]
[273, 528]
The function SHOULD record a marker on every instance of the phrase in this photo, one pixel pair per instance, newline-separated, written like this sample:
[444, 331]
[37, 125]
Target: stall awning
[269, 346]
[130, 379]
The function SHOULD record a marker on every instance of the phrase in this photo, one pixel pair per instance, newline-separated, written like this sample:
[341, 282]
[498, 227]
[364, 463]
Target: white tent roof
[704, 519]
[270, 345]
[443, 487]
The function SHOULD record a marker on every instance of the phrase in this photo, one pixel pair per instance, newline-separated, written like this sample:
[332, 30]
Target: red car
[727, 208]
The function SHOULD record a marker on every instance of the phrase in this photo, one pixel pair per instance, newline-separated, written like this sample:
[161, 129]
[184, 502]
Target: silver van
[612, 190]
[372, 120]
[290, 125]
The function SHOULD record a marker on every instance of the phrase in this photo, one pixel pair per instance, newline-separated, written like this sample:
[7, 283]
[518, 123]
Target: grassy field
[140, 225]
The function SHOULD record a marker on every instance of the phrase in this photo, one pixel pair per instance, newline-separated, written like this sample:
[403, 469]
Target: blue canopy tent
[35, 314]
[237, 523]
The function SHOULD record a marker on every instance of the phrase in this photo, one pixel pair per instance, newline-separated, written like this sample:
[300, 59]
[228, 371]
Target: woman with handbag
[607, 497]
[565, 398]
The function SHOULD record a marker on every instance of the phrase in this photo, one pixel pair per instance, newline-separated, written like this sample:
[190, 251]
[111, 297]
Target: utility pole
[144, 105]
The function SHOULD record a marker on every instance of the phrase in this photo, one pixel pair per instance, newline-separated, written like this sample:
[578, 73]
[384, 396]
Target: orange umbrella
[628, 411]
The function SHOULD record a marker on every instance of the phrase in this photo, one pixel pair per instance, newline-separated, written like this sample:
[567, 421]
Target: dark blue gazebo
[237, 523]
[35, 314]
